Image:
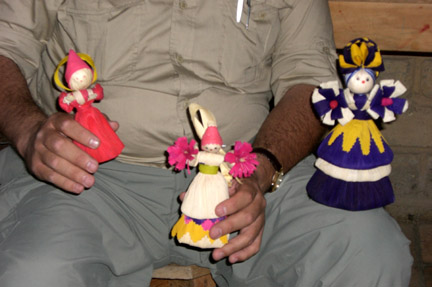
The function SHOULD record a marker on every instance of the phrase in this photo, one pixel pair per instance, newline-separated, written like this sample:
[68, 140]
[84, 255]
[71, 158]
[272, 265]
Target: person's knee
[24, 269]
[46, 270]
[380, 252]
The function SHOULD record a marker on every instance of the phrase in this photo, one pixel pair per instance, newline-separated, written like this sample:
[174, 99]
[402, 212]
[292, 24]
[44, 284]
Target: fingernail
[233, 259]
[94, 143]
[77, 188]
[221, 211]
[92, 166]
[87, 181]
[215, 233]
[218, 255]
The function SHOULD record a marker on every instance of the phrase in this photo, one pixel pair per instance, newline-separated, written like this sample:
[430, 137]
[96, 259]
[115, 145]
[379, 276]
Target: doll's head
[78, 74]
[361, 61]
[211, 140]
[360, 81]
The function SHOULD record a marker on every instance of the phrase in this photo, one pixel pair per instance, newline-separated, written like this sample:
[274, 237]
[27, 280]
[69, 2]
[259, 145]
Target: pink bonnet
[211, 136]
[74, 64]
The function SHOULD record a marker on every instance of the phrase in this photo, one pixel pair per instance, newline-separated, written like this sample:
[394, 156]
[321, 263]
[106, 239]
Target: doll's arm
[329, 103]
[97, 93]
[385, 101]
[65, 101]
[195, 159]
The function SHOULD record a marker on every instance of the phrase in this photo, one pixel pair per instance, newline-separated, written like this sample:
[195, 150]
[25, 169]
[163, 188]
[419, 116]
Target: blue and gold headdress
[361, 53]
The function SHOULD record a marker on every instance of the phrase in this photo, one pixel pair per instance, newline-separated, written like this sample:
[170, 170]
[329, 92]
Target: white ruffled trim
[353, 175]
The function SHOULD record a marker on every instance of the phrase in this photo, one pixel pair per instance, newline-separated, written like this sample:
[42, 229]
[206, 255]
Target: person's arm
[44, 142]
[290, 132]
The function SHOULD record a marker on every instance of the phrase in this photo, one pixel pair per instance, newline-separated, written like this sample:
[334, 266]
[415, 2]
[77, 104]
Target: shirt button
[326, 50]
[182, 5]
[179, 59]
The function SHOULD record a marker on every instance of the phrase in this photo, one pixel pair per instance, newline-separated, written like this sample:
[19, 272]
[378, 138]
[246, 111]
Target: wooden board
[174, 271]
[203, 281]
[173, 275]
[395, 26]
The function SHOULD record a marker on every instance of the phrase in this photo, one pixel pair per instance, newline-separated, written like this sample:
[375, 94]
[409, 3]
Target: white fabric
[353, 175]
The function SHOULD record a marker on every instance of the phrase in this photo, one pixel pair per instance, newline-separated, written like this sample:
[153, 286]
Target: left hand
[245, 211]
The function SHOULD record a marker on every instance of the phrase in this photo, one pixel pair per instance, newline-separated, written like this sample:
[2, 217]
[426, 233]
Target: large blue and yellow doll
[353, 164]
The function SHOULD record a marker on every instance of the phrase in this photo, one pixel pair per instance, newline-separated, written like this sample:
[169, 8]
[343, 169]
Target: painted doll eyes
[367, 79]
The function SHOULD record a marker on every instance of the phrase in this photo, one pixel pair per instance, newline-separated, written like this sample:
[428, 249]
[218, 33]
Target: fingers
[67, 126]
[182, 195]
[246, 244]
[50, 175]
[113, 124]
[242, 195]
[70, 174]
[246, 214]
[53, 157]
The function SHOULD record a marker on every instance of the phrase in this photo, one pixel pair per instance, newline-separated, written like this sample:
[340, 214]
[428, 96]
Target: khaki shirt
[153, 58]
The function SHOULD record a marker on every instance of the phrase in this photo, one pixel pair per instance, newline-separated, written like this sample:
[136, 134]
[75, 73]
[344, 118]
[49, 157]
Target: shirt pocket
[103, 31]
[246, 55]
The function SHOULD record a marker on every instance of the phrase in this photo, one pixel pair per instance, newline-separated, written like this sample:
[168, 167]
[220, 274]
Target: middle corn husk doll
[210, 185]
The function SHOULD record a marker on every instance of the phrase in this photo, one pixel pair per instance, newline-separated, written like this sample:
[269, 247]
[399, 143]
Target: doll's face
[361, 82]
[213, 148]
[81, 79]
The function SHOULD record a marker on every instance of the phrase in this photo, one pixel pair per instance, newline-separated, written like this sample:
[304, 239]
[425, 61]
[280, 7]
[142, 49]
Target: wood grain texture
[174, 271]
[395, 26]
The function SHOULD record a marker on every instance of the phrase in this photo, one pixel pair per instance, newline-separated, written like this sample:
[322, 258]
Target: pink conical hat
[211, 136]
[74, 64]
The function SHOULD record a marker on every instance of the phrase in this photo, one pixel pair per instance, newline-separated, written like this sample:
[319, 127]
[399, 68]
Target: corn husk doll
[353, 164]
[80, 97]
[210, 185]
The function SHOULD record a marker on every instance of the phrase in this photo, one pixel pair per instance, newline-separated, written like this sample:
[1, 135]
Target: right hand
[51, 155]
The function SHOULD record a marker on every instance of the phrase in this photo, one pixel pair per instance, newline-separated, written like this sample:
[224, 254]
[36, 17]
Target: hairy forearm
[19, 115]
[291, 131]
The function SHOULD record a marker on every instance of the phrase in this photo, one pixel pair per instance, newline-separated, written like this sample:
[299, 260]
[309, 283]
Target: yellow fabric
[359, 54]
[196, 232]
[208, 169]
[84, 57]
[364, 131]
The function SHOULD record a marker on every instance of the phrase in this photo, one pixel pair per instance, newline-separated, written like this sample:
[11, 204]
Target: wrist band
[278, 175]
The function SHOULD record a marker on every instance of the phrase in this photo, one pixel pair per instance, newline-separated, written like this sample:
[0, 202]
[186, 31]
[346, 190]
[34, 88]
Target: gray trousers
[115, 233]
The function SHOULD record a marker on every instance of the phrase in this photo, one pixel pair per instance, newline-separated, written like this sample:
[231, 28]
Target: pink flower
[243, 160]
[181, 153]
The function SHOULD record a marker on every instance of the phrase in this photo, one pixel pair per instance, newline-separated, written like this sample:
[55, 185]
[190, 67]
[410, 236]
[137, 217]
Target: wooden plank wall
[396, 25]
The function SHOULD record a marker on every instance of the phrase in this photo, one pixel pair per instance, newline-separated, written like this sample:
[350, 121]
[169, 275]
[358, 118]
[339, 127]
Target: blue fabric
[352, 196]
[386, 92]
[323, 107]
[201, 221]
[360, 100]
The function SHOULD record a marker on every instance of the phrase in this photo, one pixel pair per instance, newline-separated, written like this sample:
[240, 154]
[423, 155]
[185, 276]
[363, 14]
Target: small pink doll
[79, 77]
[210, 185]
